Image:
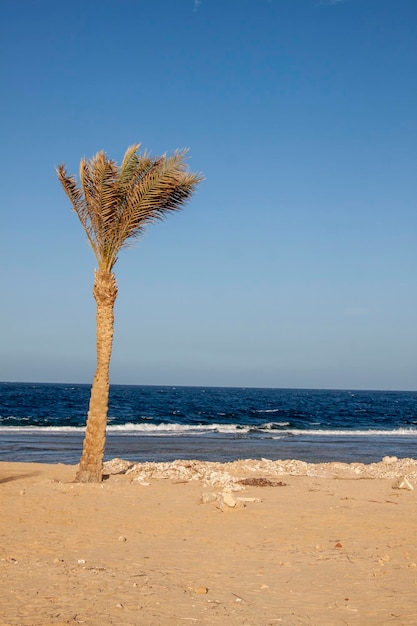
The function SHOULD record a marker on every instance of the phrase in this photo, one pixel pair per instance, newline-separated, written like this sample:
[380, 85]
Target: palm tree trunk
[91, 462]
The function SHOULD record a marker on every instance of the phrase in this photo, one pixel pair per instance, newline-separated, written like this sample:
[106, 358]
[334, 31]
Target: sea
[45, 423]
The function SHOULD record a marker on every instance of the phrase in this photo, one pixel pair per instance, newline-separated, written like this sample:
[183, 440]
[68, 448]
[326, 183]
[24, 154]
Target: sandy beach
[190, 543]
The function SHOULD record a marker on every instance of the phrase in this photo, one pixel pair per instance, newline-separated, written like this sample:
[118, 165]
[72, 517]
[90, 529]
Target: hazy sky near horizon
[295, 264]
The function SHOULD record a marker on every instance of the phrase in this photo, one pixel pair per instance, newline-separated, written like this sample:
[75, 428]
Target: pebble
[227, 499]
[207, 497]
[403, 483]
[10, 559]
[389, 459]
[117, 466]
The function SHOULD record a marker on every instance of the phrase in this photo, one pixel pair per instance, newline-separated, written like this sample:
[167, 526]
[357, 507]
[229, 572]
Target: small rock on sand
[227, 499]
[403, 483]
[207, 497]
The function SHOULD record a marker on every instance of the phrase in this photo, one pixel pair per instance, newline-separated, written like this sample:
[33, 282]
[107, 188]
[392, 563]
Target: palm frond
[77, 200]
[129, 164]
[114, 203]
[91, 216]
[163, 188]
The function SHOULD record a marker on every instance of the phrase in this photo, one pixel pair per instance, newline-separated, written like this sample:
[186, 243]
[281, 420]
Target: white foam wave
[175, 429]
[178, 429]
[142, 429]
[353, 433]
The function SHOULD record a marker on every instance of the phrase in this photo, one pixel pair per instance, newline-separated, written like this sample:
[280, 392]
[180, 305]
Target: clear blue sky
[295, 265]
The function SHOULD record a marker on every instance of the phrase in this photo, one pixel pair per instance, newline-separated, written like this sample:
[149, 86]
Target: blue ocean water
[45, 423]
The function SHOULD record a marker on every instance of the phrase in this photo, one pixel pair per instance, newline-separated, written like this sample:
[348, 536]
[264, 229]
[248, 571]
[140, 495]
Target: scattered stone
[389, 460]
[207, 497]
[122, 539]
[384, 559]
[227, 499]
[230, 475]
[201, 590]
[185, 471]
[81, 561]
[403, 483]
[117, 466]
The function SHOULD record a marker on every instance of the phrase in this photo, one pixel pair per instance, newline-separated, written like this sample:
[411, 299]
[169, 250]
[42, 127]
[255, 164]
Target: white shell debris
[227, 499]
[389, 459]
[207, 497]
[186, 471]
[403, 483]
[227, 475]
[117, 466]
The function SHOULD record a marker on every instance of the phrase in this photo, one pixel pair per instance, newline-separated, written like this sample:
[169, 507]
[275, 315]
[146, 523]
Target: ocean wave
[276, 430]
[141, 429]
[352, 433]
[179, 429]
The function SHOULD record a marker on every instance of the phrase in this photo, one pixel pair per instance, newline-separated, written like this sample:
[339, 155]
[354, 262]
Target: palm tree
[114, 204]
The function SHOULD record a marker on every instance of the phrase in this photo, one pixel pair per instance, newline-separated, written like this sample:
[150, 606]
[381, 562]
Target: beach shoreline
[189, 542]
[46, 446]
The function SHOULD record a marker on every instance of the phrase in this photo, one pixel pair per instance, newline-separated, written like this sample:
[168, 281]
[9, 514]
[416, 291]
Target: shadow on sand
[8, 479]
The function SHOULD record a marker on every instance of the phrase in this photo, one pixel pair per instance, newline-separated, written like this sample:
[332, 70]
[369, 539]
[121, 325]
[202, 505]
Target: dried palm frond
[115, 203]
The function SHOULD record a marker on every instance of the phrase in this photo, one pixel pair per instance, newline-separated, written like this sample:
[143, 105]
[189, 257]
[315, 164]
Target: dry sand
[186, 543]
